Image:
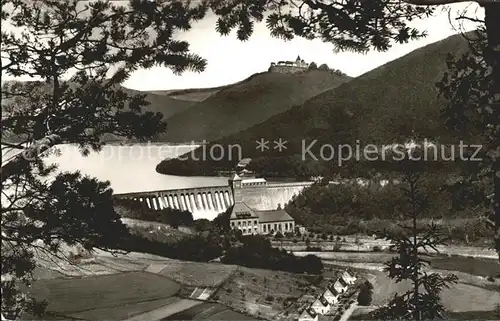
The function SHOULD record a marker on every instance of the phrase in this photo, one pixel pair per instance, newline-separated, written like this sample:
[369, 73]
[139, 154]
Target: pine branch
[443, 2]
[30, 153]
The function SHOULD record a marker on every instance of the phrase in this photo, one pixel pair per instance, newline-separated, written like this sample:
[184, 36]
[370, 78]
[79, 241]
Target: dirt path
[166, 311]
[348, 312]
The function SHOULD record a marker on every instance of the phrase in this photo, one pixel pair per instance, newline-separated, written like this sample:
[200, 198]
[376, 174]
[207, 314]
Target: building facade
[299, 65]
[250, 221]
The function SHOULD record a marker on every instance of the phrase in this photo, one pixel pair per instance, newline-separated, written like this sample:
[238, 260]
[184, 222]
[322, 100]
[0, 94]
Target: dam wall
[208, 202]
[269, 197]
[202, 202]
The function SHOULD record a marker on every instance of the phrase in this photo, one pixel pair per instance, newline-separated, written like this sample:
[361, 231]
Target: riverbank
[470, 293]
[353, 243]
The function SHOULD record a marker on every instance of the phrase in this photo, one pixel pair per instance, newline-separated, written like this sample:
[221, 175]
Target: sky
[230, 60]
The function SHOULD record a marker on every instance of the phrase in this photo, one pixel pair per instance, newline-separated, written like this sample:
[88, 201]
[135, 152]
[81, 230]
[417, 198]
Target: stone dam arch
[208, 202]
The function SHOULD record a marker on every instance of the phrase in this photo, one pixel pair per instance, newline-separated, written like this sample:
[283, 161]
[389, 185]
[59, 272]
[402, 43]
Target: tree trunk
[492, 21]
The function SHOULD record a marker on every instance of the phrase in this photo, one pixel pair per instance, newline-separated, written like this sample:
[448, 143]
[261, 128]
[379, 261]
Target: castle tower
[235, 184]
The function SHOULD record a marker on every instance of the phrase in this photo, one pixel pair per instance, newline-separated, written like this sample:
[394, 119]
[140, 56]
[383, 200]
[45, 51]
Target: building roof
[346, 275]
[333, 290]
[342, 281]
[274, 216]
[328, 290]
[338, 284]
[320, 300]
[242, 210]
[308, 311]
[236, 177]
[244, 162]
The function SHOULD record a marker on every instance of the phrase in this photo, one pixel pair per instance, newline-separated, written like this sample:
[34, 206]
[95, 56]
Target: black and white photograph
[270, 160]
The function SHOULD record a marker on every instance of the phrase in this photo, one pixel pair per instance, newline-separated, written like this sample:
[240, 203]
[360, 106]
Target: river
[130, 168]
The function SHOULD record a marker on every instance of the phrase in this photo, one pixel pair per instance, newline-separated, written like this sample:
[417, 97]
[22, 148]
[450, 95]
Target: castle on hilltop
[289, 66]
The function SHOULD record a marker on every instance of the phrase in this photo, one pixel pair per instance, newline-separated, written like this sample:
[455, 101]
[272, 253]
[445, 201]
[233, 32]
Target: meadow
[110, 297]
[198, 274]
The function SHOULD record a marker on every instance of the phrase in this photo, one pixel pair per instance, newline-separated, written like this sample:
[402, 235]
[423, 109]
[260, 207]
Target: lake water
[130, 168]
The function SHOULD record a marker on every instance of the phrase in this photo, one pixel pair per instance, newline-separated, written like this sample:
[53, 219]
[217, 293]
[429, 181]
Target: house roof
[321, 301]
[242, 210]
[347, 275]
[338, 284]
[308, 311]
[330, 290]
[274, 216]
[342, 281]
[235, 177]
[333, 290]
[244, 162]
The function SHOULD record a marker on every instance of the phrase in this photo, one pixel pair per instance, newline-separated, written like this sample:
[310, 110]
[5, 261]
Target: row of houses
[328, 299]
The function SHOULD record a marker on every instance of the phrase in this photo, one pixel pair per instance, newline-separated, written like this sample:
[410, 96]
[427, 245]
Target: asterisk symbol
[262, 144]
[280, 144]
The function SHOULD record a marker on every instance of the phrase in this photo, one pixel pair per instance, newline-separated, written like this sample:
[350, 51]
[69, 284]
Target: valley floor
[140, 286]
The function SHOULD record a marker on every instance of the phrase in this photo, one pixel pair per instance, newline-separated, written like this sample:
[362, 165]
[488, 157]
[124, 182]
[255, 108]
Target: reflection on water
[130, 168]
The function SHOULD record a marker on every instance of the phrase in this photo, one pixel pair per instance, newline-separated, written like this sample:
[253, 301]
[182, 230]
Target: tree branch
[442, 2]
[30, 153]
[15, 146]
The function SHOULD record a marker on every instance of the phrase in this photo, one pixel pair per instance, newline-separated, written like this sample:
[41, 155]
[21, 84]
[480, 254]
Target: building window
[244, 231]
[264, 227]
[255, 222]
[275, 227]
[244, 223]
[239, 223]
[286, 226]
[232, 224]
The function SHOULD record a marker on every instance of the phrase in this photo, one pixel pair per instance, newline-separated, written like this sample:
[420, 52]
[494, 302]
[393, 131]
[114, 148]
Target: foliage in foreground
[233, 248]
[96, 45]
[365, 294]
[422, 301]
[470, 86]
[58, 37]
[138, 210]
[257, 252]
